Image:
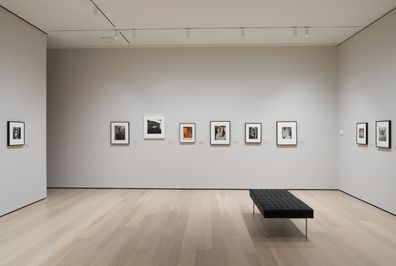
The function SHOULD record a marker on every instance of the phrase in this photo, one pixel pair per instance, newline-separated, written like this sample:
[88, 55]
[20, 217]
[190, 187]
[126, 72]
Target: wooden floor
[192, 227]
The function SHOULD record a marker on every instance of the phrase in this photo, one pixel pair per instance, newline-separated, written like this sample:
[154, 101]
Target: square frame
[154, 121]
[226, 134]
[387, 124]
[281, 139]
[247, 133]
[362, 140]
[113, 134]
[182, 138]
[10, 133]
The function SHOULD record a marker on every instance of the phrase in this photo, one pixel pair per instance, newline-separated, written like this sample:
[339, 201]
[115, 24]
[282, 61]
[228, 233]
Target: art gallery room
[181, 132]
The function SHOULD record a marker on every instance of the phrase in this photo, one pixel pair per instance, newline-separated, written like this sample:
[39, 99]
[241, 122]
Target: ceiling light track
[117, 31]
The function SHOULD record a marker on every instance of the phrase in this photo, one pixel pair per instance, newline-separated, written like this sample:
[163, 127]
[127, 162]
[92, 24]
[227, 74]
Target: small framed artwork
[154, 127]
[362, 133]
[384, 137]
[15, 133]
[119, 133]
[286, 133]
[220, 133]
[253, 133]
[187, 132]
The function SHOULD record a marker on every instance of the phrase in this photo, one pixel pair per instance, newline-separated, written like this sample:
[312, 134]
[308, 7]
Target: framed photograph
[253, 133]
[187, 132]
[15, 133]
[362, 133]
[119, 133]
[220, 133]
[384, 131]
[154, 127]
[286, 133]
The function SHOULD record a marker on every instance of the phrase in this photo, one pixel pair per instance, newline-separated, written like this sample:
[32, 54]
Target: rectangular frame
[383, 144]
[364, 140]
[148, 135]
[227, 133]
[259, 138]
[280, 140]
[113, 140]
[181, 132]
[11, 141]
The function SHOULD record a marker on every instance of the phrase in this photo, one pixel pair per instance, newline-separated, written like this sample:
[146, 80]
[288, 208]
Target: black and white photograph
[15, 133]
[253, 133]
[220, 133]
[187, 132]
[119, 133]
[154, 127]
[362, 133]
[383, 134]
[286, 133]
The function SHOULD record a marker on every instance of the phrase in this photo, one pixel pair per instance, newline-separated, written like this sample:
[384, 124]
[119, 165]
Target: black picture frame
[225, 142]
[294, 140]
[365, 125]
[113, 141]
[260, 125]
[10, 142]
[385, 144]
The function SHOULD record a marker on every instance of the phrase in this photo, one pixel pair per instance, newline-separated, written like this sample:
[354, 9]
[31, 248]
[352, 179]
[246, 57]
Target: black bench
[280, 203]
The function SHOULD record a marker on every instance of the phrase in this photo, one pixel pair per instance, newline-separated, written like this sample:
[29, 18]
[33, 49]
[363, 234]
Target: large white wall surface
[367, 93]
[88, 88]
[22, 98]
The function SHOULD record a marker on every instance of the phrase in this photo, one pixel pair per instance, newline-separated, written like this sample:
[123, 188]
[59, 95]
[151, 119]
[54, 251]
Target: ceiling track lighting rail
[96, 10]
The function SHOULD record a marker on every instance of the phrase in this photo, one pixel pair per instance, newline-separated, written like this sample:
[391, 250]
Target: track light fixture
[242, 32]
[306, 32]
[188, 33]
[295, 31]
[116, 35]
[133, 33]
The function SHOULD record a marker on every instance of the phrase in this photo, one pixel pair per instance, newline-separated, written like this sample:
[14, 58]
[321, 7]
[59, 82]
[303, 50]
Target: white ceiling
[71, 23]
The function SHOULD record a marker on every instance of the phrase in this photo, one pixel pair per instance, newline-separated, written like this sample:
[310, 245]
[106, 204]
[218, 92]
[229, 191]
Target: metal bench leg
[306, 228]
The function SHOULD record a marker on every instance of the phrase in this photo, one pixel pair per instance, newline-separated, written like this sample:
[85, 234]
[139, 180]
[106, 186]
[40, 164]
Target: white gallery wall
[88, 88]
[367, 93]
[22, 98]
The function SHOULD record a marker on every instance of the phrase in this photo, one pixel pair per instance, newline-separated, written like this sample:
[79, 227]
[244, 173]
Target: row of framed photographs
[220, 132]
[383, 129]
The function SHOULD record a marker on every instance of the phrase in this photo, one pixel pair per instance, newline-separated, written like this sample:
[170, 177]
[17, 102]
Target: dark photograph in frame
[253, 133]
[119, 133]
[383, 134]
[220, 132]
[362, 133]
[15, 133]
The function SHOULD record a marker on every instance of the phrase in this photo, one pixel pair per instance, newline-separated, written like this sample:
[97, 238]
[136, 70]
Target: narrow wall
[22, 98]
[367, 93]
[88, 88]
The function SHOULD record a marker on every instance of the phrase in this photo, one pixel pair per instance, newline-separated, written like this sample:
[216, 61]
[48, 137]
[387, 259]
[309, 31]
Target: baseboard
[27, 205]
[366, 202]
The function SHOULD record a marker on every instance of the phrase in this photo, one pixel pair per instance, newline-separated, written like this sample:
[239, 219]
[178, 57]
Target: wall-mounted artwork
[154, 127]
[15, 133]
[286, 133]
[362, 133]
[253, 133]
[119, 133]
[384, 138]
[220, 132]
[187, 132]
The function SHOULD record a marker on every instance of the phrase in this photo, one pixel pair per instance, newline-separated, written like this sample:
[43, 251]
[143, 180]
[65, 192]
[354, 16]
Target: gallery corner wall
[22, 98]
[367, 93]
[89, 88]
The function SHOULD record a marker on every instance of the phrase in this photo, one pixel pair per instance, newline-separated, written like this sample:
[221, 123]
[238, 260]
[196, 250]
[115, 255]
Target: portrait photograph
[286, 133]
[362, 133]
[253, 133]
[154, 127]
[383, 134]
[15, 133]
[187, 132]
[220, 133]
[119, 133]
